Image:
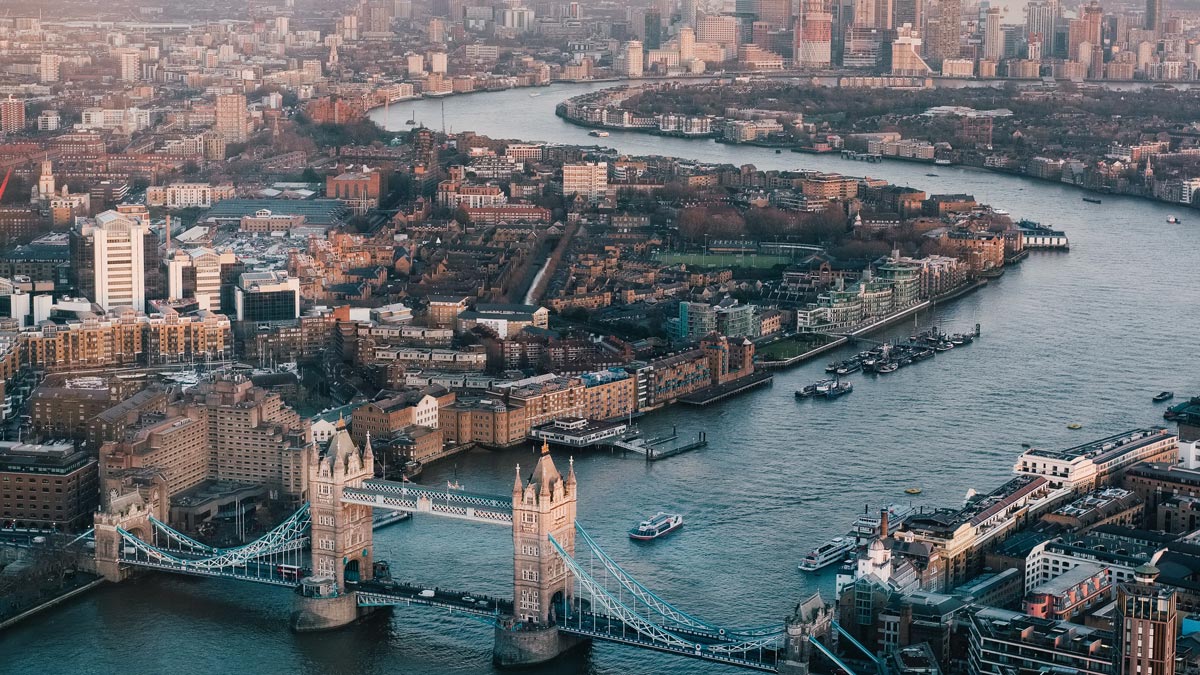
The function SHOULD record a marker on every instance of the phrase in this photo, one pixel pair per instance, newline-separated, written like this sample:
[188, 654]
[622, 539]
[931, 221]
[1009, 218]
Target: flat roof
[1106, 447]
[315, 211]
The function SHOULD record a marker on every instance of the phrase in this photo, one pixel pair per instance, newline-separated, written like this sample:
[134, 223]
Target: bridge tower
[544, 506]
[342, 544]
[812, 618]
[129, 512]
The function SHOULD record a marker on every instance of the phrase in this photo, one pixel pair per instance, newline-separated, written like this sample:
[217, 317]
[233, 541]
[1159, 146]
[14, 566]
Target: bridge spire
[517, 487]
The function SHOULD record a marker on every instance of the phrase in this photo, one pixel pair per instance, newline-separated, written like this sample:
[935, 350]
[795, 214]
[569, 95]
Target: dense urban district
[240, 319]
[1133, 143]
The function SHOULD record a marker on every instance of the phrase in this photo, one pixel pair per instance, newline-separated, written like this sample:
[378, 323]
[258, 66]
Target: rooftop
[1106, 448]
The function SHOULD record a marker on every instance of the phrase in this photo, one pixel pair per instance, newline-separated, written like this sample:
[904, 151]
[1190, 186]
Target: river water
[1086, 336]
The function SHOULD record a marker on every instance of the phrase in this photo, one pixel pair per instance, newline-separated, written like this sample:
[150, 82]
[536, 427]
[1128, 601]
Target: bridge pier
[518, 646]
[321, 613]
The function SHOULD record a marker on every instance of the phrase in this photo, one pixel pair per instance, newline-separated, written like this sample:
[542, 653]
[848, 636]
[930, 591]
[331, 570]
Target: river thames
[1086, 336]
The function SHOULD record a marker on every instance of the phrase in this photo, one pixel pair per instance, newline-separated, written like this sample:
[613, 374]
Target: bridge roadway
[390, 593]
[603, 627]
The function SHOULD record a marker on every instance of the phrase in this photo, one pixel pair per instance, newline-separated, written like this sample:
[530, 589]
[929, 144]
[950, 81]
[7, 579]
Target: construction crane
[4, 185]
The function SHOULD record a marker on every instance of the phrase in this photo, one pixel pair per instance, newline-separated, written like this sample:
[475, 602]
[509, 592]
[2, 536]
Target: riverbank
[616, 109]
[53, 602]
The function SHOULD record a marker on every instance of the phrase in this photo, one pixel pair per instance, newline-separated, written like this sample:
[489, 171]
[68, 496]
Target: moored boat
[839, 389]
[1164, 396]
[889, 367]
[661, 524]
[832, 551]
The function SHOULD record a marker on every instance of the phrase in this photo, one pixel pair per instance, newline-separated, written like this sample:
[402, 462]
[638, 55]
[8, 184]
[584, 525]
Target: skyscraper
[993, 36]
[911, 12]
[942, 30]
[129, 65]
[232, 117]
[112, 252]
[12, 114]
[653, 23]
[813, 36]
[1147, 623]
[778, 13]
[632, 59]
[1154, 16]
[1040, 19]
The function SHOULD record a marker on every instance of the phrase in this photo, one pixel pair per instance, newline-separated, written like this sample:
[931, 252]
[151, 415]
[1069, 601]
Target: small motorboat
[1173, 220]
[1164, 396]
[779, 152]
[1091, 200]
[535, 94]
[660, 525]
[1026, 445]
[1074, 425]
[913, 491]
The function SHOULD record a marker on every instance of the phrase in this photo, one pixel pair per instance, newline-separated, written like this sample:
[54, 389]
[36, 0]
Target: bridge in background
[566, 589]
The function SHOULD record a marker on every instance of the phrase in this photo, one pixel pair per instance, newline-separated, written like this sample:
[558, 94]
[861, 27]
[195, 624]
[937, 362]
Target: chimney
[883, 523]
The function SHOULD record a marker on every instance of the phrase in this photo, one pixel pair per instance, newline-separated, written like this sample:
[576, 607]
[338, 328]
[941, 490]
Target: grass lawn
[724, 260]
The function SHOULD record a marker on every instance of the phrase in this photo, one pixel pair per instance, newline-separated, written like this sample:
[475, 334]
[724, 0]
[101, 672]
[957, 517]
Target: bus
[288, 572]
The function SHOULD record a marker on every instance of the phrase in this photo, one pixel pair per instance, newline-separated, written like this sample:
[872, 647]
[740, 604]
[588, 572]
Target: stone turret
[812, 618]
[342, 545]
[543, 589]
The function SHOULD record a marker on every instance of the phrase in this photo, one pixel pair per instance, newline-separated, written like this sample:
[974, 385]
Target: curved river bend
[1086, 336]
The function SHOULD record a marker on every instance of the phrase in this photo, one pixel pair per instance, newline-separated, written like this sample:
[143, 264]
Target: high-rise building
[813, 36]
[687, 44]
[942, 30]
[911, 12]
[1147, 624]
[1093, 19]
[775, 12]
[653, 29]
[587, 179]
[129, 65]
[50, 68]
[109, 259]
[721, 30]
[199, 273]
[232, 118]
[267, 296]
[993, 36]
[1040, 20]
[687, 13]
[1154, 16]
[631, 57]
[906, 53]
[437, 30]
[12, 114]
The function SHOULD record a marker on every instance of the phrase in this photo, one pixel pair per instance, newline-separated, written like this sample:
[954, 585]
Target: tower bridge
[566, 590]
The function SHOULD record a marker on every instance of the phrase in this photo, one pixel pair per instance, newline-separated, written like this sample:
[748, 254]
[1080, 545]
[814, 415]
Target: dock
[723, 391]
[653, 448]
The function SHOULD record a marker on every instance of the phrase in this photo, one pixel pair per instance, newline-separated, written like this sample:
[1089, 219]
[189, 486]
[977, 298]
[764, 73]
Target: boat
[832, 551]
[889, 367]
[847, 367]
[832, 368]
[913, 491]
[535, 94]
[839, 389]
[867, 525]
[660, 525]
[1000, 212]
[598, 134]
[1173, 220]
[412, 121]
[942, 162]
[1074, 425]
[807, 391]
[1026, 446]
[1164, 396]
[1091, 200]
[932, 175]
[943, 346]
[779, 152]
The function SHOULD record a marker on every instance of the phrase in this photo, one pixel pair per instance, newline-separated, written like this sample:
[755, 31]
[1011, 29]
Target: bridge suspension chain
[664, 608]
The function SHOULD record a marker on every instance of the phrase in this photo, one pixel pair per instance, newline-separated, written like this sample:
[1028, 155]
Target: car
[483, 603]
[468, 599]
[426, 593]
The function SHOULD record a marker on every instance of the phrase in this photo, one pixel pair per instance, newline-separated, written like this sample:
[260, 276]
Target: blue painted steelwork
[606, 616]
[832, 657]
[879, 664]
[277, 557]
[662, 607]
[414, 498]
